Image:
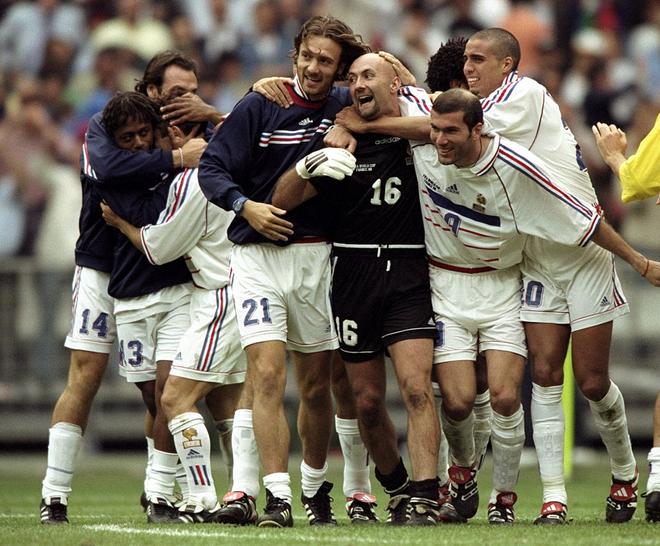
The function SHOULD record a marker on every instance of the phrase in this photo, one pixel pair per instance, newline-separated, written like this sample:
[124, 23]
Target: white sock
[356, 457]
[64, 441]
[312, 478]
[224, 428]
[279, 484]
[507, 440]
[150, 460]
[160, 482]
[245, 475]
[443, 447]
[460, 437]
[653, 483]
[610, 418]
[548, 423]
[193, 446]
[181, 480]
[483, 415]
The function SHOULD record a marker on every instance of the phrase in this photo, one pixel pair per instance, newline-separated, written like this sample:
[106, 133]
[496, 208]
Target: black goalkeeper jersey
[379, 202]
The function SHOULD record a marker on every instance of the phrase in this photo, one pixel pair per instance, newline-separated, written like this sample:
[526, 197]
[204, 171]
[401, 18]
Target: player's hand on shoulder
[266, 219]
[405, 75]
[338, 137]
[335, 163]
[275, 90]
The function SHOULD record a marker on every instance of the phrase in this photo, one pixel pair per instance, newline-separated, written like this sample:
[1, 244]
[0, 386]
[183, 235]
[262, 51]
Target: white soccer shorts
[283, 294]
[475, 312]
[567, 285]
[150, 339]
[93, 326]
[210, 350]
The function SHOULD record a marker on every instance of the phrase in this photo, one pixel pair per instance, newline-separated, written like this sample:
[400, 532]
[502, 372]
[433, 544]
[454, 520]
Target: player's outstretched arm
[609, 239]
[412, 128]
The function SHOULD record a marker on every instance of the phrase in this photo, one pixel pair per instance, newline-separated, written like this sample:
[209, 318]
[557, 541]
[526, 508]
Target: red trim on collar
[300, 101]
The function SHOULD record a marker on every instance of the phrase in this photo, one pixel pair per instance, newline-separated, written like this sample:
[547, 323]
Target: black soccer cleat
[422, 511]
[622, 500]
[501, 511]
[277, 513]
[360, 508]
[397, 510]
[53, 513]
[238, 509]
[464, 490]
[652, 506]
[319, 507]
[552, 513]
[195, 513]
[161, 510]
[143, 501]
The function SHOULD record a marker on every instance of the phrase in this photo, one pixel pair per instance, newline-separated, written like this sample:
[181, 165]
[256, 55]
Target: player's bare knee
[370, 409]
[457, 407]
[505, 401]
[547, 374]
[594, 386]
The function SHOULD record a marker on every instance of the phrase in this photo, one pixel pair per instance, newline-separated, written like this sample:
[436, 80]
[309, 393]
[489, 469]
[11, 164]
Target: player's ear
[152, 91]
[476, 130]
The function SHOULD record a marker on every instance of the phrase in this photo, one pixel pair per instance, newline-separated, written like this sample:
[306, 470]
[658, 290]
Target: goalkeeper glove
[336, 163]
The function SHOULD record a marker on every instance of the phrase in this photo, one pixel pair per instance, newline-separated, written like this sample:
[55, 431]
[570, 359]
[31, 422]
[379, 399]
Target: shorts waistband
[458, 268]
[376, 251]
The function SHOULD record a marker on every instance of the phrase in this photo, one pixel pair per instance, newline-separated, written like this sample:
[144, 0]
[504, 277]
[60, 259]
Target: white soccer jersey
[191, 226]
[491, 206]
[522, 110]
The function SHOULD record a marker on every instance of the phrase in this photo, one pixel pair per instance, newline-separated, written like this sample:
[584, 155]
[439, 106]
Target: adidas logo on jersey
[305, 121]
[604, 301]
[453, 189]
[192, 454]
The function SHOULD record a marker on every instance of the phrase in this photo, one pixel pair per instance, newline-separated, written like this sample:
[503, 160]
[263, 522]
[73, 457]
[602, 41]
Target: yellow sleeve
[640, 173]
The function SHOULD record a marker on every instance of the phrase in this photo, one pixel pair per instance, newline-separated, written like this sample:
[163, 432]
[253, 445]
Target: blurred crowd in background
[61, 61]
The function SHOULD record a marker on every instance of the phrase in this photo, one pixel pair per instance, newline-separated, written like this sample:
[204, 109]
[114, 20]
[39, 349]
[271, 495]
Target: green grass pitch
[104, 510]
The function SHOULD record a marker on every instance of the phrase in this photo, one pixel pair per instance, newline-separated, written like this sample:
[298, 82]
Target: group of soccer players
[436, 217]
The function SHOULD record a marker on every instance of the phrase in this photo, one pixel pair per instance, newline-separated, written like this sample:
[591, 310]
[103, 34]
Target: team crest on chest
[480, 204]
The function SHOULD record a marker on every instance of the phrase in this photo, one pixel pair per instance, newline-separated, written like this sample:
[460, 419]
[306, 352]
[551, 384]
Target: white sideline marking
[240, 535]
[75, 516]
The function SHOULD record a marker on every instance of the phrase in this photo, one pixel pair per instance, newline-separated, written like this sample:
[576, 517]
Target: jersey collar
[486, 161]
[301, 98]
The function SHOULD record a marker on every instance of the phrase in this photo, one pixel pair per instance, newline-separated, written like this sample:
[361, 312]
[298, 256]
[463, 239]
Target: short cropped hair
[446, 65]
[155, 71]
[339, 32]
[505, 44]
[460, 100]
[126, 106]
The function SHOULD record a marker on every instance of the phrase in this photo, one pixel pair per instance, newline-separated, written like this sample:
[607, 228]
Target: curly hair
[126, 106]
[351, 44]
[155, 70]
[446, 65]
